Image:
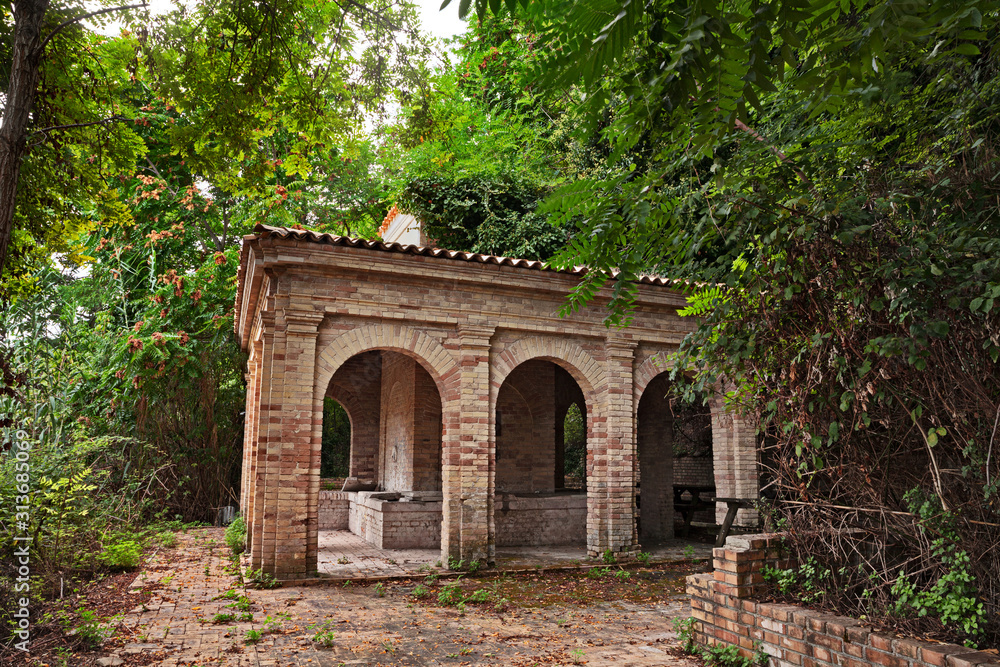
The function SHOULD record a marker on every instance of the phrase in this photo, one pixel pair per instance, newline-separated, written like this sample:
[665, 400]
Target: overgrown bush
[121, 555]
[236, 535]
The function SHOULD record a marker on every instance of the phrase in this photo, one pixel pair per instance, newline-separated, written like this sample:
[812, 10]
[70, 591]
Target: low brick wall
[793, 636]
[395, 524]
[547, 520]
[334, 510]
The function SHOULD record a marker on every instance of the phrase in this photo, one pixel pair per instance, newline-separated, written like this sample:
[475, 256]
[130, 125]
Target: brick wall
[334, 510]
[525, 449]
[726, 613]
[541, 520]
[410, 442]
[394, 524]
[656, 470]
[357, 386]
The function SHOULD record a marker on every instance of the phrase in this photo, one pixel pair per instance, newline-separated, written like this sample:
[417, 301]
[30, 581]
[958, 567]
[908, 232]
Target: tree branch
[81, 17]
[111, 119]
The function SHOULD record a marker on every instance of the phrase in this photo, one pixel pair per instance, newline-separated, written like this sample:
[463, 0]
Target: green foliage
[167, 539]
[121, 555]
[808, 581]
[450, 594]
[479, 596]
[608, 557]
[684, 627]
[420, 591]
[950, 594]
[252, 636]
[643, 557]
[575, 444]
[823, 180]
[335, 458]
[259, 579]
[717, 655]
[236, 535]
[91, 630]
[323, 634]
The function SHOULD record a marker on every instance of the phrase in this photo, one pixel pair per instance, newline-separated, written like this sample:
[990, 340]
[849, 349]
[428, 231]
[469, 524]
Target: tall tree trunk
[24, 71]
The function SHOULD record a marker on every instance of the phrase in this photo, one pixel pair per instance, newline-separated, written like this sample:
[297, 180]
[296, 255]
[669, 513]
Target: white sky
[439, 23]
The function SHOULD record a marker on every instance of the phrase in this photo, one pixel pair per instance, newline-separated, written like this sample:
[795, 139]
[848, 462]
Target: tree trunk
[25, 62]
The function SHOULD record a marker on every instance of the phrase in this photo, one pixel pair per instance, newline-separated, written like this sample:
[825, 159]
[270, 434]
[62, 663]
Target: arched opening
[676, 476]
[391, 496]
[540, 433]
[335, 457]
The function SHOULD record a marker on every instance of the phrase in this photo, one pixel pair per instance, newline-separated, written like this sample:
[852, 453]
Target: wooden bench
[687, 508]
[734, 505]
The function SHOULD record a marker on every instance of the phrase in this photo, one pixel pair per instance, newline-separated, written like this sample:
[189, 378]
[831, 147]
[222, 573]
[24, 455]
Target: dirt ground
[190, 606]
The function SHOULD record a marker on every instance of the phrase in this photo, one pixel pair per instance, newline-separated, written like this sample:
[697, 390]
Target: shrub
[123, 555]
[236, 535]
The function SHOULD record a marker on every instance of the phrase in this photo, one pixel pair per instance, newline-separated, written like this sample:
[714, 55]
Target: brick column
[734, 456]
[287, 519]
[250, 426]
[258, 459]
[468, 467]
[297, 515]
[612, 484]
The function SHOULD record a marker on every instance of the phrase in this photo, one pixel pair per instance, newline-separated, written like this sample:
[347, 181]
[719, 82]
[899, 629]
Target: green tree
[828, 169]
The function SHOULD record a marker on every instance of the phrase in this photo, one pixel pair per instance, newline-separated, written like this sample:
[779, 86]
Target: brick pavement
[176, 626]
[344, 555]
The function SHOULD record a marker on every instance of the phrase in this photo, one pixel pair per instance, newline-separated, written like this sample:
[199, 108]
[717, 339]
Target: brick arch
[587, 372]
[646, 373]
[424, 349]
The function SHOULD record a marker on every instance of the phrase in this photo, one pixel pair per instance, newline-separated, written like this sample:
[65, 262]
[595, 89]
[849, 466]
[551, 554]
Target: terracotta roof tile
[265, 231]
[389, 217]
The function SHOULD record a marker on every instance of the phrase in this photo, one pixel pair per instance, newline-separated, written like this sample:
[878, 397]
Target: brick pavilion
[456, 373]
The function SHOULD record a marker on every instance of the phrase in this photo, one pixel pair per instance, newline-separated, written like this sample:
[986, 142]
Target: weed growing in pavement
[450, 594]
[252, 636]
[689, 551]
[644, 557]
[167, 539]
[420, 592]
[241, 603]
[259, 579]
[343, 560]
[323, 634]
[245, 617]
[223, 618]
[608, 557]
[380, 589]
